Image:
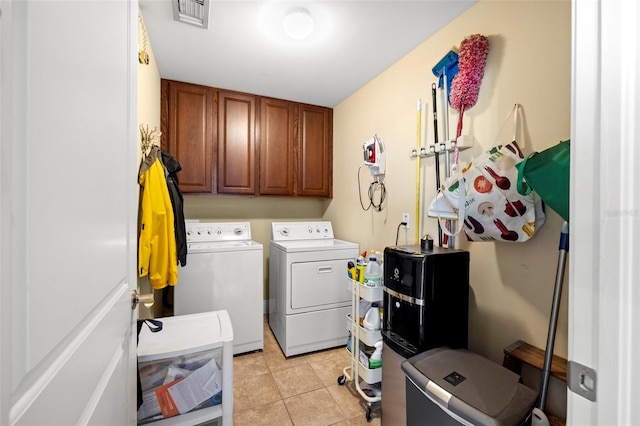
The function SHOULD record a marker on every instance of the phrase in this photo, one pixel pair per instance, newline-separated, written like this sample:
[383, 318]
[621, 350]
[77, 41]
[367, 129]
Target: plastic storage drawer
[198, 349]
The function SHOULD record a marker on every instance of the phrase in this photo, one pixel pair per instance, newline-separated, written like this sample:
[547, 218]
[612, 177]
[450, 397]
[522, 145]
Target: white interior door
[604, 296]
[68, 213]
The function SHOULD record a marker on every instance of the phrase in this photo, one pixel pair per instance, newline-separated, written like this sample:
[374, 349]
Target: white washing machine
[309, 296]
[224, 272]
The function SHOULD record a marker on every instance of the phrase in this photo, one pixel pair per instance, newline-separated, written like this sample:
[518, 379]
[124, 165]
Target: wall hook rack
[149, 137]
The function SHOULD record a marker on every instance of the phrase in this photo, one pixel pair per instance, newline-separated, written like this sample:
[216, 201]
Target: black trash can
[455, 386]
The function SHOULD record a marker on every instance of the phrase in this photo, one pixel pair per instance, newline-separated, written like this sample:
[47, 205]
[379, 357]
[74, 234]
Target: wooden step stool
[521, 352]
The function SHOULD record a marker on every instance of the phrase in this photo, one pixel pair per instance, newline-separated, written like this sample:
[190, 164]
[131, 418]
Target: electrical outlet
[405, 219]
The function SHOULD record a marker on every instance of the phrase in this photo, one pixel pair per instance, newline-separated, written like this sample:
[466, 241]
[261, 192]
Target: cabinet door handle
[325, 269]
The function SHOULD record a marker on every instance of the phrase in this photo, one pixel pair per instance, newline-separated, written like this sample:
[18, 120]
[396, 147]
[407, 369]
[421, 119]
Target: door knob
[145, 299]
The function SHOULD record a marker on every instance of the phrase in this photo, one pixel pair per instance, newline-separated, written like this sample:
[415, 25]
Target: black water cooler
[426, 305]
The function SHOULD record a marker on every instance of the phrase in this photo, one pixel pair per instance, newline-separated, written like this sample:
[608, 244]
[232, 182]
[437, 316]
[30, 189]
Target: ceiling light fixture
[298, 24]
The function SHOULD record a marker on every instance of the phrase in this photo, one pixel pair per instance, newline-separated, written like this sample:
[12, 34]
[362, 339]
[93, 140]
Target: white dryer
[224, 272]
[309, 296]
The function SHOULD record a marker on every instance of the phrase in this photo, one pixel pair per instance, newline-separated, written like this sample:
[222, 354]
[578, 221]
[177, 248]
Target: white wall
[528, 63]
[148, 83]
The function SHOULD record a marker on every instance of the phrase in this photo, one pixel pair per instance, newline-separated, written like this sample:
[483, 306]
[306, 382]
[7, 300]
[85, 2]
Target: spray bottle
[375, 360]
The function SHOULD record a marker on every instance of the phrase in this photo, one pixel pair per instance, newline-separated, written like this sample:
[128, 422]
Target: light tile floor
[303, 390]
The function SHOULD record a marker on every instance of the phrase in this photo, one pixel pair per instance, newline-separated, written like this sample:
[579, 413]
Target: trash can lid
[470, 386]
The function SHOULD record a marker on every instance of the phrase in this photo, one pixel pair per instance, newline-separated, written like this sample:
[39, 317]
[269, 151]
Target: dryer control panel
[217, 231]
[290, 231]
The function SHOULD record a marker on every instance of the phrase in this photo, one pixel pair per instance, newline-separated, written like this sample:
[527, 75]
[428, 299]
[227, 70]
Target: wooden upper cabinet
[277, 136]
[189, 126]
[231, 142]
[315, 157]
[236, 143]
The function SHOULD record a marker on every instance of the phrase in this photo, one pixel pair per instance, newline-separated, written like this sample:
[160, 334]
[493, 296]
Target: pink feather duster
[466, 83]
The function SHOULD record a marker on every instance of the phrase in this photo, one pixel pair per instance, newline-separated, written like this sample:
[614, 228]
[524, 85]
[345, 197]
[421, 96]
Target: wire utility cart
[357, 370]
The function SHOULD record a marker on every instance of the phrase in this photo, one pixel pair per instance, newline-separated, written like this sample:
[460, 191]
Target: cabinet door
[315, 161]
[236, 143]
[277, 154]
[191, 133]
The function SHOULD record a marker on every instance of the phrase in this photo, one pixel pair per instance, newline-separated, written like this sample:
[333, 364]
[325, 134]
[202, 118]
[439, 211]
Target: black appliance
[426, 305]
[426, 298]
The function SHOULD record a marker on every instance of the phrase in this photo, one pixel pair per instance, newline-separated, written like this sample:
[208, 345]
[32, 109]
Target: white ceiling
[245, 48]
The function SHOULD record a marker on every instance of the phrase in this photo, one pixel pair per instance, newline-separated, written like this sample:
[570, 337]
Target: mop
[549, 176]
[445, 70]
[538, 418]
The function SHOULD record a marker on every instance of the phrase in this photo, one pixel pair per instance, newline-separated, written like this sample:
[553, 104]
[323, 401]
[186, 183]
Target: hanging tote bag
[484, 195]
[547, 173]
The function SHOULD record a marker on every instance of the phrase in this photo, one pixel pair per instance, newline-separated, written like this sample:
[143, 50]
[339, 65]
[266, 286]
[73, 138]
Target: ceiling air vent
[194, 12]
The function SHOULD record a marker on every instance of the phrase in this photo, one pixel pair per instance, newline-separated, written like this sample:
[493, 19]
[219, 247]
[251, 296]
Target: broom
[466, 83]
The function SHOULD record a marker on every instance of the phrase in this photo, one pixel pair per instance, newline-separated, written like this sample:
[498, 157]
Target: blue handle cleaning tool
[538, 417]
[447, 66]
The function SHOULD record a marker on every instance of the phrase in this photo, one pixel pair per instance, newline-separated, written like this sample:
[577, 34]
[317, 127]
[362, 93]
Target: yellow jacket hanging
[157, 256]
